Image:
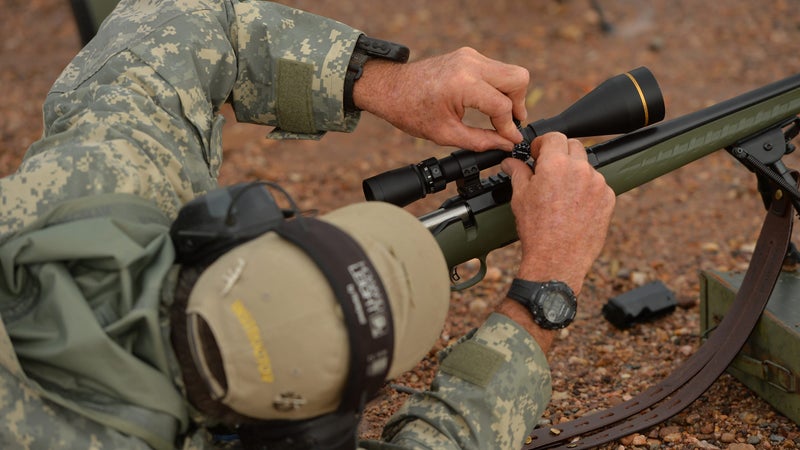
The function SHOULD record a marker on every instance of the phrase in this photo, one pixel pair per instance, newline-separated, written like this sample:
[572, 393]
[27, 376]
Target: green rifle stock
[480, 220]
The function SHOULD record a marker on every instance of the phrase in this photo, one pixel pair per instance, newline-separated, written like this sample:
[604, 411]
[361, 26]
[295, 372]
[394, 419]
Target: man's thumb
[514, 167]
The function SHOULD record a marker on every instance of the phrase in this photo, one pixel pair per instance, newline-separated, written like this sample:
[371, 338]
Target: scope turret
[621, 104]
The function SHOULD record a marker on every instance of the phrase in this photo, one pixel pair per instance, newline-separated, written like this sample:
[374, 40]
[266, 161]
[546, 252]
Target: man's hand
[562, 209]
[428, 98]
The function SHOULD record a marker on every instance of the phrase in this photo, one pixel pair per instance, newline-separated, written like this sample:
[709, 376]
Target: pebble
[776, 438]
[748, 417]
[740, 446]
[478, 306]
[639, 278]
[754, 439]
[665, 431]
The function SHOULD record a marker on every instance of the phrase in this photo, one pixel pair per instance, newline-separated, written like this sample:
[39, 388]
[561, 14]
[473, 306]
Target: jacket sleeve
[137, 110]
[490, 391]
[291, 70]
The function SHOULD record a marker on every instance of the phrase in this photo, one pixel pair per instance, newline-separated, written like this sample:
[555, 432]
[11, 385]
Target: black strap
[362, 297]
[691, 379]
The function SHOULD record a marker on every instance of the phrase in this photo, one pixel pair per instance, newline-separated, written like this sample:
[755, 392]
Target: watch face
[552, 304]
[556, 307]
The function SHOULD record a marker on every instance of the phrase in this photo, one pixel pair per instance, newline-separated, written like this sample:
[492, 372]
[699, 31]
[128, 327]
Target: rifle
[755, 127]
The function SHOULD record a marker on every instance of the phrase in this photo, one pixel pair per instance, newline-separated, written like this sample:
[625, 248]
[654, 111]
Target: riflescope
[621, 104]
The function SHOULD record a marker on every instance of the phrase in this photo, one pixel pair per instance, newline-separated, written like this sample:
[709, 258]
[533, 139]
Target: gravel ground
[703, 217]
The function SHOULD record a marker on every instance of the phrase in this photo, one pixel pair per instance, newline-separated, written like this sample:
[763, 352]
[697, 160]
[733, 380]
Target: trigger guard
[474, 280]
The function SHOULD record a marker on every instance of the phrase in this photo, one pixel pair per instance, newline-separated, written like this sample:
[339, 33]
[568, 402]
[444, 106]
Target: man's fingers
[477, 139]
[498, 107]
[515, 169]
[553, 143]
[549, 143]
[513, 82]
[576, 150]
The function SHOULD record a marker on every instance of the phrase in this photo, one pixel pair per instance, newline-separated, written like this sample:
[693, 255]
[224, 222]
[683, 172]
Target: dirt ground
[704, 216]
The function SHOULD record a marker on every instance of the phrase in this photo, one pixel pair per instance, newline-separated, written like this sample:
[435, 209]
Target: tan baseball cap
[280, 330]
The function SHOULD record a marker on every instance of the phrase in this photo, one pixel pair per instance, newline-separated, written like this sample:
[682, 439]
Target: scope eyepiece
[406, 185]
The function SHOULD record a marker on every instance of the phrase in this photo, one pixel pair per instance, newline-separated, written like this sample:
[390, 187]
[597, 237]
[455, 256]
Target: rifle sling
[691, 379]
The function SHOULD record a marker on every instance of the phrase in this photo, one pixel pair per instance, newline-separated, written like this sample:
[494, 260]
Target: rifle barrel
[641, 156]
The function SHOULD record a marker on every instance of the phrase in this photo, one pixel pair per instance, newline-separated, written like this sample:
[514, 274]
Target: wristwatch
[366, 48]
[552, 303]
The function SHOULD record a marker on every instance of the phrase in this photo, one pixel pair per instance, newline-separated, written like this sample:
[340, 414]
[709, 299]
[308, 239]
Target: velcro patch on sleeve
[472, 362]
[293, 104]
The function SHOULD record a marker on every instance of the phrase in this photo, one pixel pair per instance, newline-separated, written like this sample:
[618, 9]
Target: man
[132, 133]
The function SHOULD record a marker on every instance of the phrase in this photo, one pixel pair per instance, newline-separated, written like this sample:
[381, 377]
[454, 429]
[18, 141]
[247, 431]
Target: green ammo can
[769, 362]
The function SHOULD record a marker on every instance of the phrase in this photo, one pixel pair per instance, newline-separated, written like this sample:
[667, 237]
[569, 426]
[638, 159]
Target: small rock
[577, 360]
[692, 418]
[639, 278]
[667, 431]
[656, 44]
[478, 306]
[748, 417]
[748, 248]
[776, 438]
[727, 438]
[740, 446]
[653, 444]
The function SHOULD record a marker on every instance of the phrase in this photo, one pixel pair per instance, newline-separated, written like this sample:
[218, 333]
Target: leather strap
[690, 380]
[362, 297]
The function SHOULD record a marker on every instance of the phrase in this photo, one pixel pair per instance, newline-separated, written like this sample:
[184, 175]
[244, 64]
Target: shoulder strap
[690, 380]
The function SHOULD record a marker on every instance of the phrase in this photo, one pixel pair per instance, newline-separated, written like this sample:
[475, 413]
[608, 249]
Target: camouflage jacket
[131, 132]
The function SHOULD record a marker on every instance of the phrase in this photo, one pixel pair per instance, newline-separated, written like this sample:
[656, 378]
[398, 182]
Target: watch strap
[523, 291]
[366, 48]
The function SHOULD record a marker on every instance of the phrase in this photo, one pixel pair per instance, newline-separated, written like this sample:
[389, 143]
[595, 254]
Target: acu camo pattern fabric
[136, 114]
[490, 391]
[137, 110]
